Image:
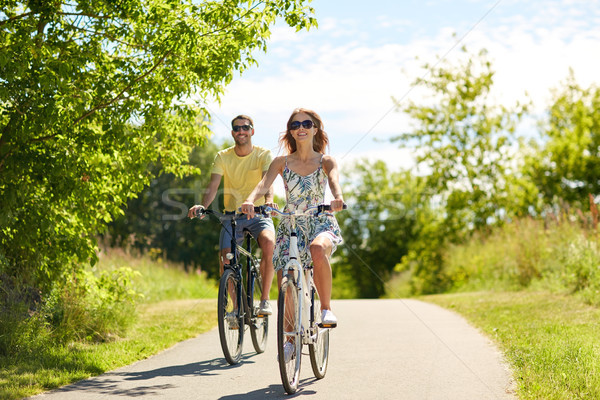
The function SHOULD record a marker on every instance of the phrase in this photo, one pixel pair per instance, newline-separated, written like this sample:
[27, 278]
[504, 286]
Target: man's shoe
[328, 319]
[232, 320]
[265, 308]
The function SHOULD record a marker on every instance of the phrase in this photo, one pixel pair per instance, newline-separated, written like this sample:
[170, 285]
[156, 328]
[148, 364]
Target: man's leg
[263, 231]
[223, 260]
[266, 241]
[225, 246]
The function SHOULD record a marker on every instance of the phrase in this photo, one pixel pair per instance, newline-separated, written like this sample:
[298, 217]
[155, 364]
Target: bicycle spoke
[319, 350]
[259, 326]
[231, 325]
[289, 339]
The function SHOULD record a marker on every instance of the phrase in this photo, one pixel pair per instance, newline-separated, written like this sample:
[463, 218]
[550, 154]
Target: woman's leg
[320, 250]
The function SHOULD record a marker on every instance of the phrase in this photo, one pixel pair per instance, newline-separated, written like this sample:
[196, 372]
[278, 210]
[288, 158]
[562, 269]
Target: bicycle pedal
[263, 314]
[321, 325]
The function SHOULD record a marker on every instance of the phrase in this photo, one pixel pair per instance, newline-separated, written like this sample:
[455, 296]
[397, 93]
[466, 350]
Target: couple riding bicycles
[249, 174]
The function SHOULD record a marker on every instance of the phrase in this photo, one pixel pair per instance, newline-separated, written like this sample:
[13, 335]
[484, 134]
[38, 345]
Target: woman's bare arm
[331, 169]
[264, 185]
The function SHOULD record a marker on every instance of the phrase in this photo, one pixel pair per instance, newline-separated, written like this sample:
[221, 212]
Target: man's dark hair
[242, 116]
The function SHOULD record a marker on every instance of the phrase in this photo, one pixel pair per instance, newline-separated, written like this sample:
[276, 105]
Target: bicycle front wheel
[319, 350]
[259, 326]
[231, 322]
[289, 339]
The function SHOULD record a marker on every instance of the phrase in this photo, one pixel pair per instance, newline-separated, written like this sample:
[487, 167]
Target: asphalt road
[381, 349]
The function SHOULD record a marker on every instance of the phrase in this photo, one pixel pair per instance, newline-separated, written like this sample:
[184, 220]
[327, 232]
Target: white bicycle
[299, 315]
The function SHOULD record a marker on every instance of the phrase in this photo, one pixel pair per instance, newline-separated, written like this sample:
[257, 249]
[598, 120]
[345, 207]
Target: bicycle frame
[236, 249]
[303, 276]
[240, 290]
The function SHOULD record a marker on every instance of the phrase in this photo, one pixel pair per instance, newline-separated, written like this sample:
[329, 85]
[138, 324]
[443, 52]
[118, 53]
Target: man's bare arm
[209, 195]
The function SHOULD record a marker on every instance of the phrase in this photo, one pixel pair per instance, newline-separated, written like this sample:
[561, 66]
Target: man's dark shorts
[255, 225]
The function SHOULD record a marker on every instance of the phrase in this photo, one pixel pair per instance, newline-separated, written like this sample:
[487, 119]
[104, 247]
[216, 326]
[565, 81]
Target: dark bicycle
[238, 303]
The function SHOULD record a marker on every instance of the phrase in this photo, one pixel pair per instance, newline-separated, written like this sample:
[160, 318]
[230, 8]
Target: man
[243, 166]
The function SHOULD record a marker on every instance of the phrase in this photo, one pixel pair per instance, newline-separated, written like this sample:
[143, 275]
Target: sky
[365, 53]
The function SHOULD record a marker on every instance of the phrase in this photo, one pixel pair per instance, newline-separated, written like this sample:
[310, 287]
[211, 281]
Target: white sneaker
[265, 308]
[328, 319]
[289, 351]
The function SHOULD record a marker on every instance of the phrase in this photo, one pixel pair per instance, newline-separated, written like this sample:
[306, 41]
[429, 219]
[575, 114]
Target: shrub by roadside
[122, 310]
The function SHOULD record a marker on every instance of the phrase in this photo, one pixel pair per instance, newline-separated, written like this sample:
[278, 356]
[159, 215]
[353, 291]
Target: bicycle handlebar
[230, 215]
[309, 211]
[265, 211]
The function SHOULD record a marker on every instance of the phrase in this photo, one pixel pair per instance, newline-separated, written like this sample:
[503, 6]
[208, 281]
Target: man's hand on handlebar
[196, 211]
[248, 209]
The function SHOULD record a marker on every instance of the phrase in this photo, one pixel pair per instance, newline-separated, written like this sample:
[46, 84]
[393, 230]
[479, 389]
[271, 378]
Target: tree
[567, 166]
[387, 213]
[91, 93]
[465, 143]
[156, 222]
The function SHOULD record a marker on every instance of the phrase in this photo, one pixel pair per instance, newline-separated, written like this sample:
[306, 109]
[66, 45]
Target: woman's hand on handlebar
[274, 206]
[249, 209]
[337, 205]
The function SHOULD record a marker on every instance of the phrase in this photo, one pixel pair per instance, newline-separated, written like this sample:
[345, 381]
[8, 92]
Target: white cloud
[348, 74]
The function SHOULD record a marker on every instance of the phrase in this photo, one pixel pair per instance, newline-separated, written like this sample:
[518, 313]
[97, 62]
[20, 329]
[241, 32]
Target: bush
[509, 258]
[580, 260]
[21, 333]
[93, 306]
[90, 305]
[561, 256]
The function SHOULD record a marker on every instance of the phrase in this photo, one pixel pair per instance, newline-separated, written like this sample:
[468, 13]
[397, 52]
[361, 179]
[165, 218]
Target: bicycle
[235, 290]
[299, 321]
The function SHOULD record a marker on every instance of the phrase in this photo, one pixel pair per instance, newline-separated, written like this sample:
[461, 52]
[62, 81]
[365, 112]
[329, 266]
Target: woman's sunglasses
[236, 128]
[306, 124]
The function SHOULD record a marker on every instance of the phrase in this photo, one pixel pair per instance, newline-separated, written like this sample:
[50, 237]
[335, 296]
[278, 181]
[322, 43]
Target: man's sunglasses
[236, 128]
[306, 124]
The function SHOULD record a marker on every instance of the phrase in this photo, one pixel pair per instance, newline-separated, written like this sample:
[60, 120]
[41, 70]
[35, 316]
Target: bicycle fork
[307, 327]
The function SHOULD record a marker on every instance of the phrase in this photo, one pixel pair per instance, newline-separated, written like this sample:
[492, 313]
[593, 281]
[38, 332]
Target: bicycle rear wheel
[231, 323]
[259, 326]
[289, 339]
[319, 350]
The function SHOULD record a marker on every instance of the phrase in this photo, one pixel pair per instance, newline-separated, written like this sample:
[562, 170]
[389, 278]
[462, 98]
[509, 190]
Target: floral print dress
[302, 192]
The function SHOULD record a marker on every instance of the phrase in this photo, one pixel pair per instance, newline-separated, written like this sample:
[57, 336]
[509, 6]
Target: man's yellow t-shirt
[241, 174]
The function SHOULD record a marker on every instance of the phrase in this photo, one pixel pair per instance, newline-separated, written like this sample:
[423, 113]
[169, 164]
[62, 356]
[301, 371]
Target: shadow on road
[209, 367]
[273, 392]
[111, 383]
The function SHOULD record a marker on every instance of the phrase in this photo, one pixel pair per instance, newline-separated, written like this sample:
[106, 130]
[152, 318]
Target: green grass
[159, 280]
[551, 341]
[165, 317]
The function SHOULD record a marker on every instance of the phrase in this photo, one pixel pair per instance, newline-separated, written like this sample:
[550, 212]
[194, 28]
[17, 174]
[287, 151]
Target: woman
[305, 171]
